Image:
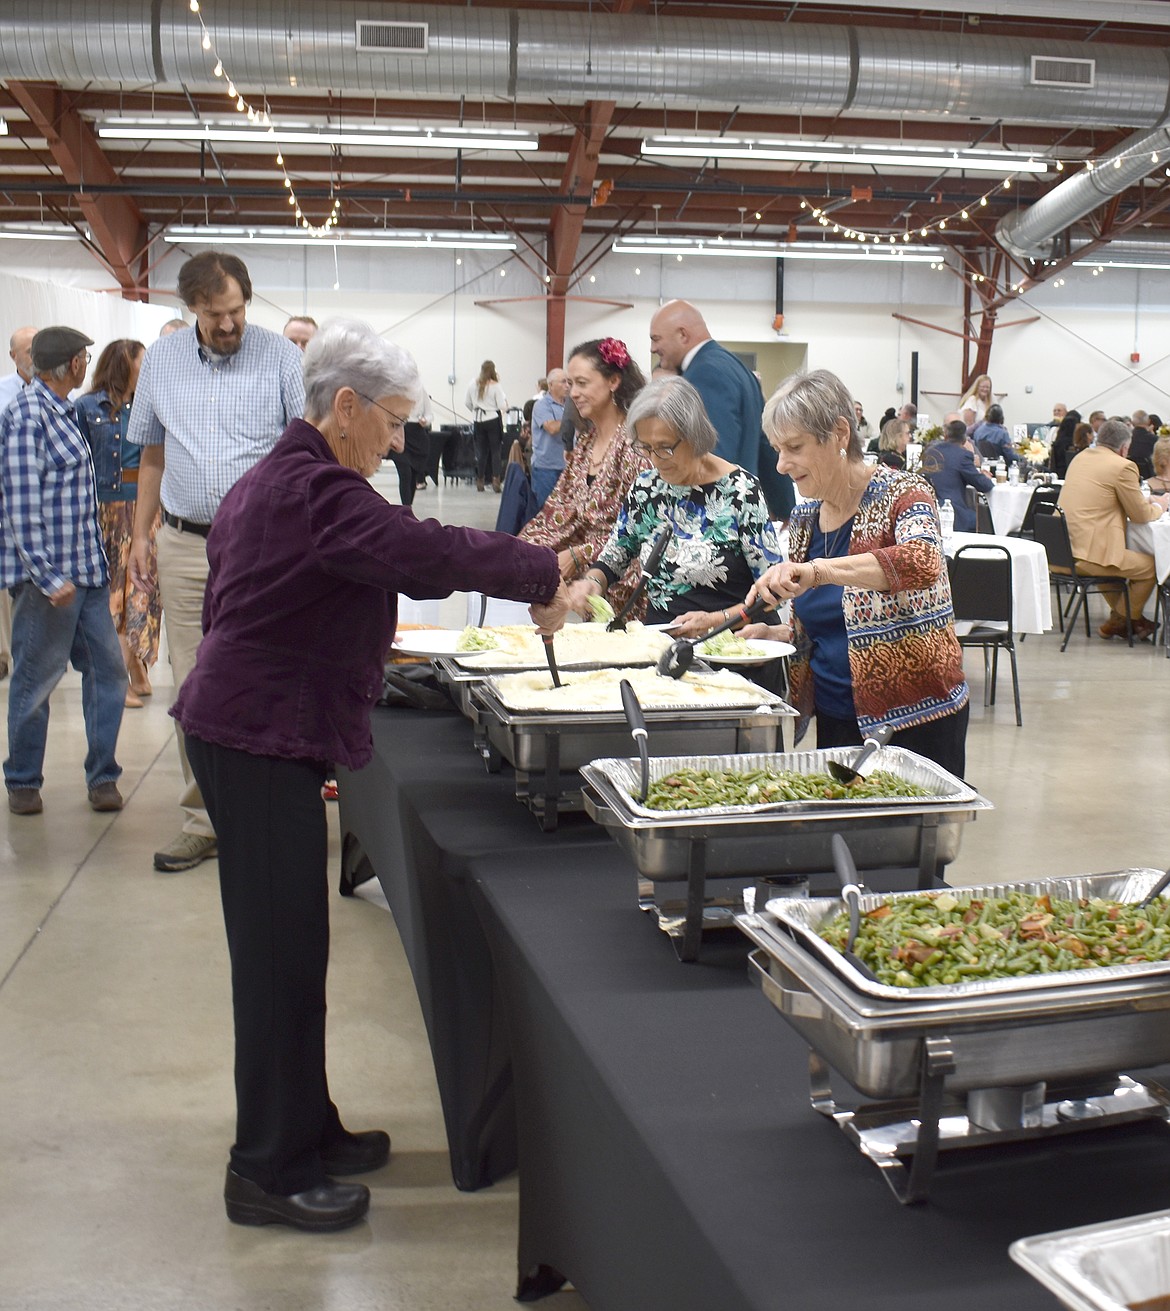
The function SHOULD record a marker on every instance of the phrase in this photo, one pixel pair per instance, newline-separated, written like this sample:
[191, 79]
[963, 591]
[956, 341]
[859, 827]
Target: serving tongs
[640, 733]
[618, 623]
[851, 896]
[680, 654]
[1157, 889]
[874, 742]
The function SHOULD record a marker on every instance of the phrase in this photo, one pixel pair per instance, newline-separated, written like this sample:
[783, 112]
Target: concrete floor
[115, 1025]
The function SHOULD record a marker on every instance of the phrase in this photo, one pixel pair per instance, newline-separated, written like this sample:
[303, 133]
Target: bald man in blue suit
[731, 394]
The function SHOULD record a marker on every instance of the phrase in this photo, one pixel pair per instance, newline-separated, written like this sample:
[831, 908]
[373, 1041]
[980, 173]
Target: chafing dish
[1103, 1267]
[783, 842]
[970, 1063]
[546, 748]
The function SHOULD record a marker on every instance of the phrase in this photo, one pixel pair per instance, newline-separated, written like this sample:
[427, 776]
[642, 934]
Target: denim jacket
[105, 433]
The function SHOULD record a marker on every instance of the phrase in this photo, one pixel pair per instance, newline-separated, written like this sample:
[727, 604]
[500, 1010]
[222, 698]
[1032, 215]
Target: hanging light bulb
[983, 200]
[1007, 184]
[965, 215]
[206, 42]
[1117, 161]
[194, 6]
[1060, 165]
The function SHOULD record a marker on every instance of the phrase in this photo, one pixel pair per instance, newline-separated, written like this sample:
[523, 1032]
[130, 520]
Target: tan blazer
[1101, 492]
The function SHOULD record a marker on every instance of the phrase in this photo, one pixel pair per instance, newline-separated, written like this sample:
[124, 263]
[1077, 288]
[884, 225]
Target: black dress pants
[942, 740]
[488, 436]
[270, 827]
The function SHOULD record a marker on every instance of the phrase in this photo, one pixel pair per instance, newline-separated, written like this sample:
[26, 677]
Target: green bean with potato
[697, 789]
[944, 938]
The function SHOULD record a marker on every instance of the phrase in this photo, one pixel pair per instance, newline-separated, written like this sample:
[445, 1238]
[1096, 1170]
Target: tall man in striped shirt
[211, 402]
[51, 559]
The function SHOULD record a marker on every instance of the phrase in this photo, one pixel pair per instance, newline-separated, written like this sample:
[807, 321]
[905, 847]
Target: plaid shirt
[218, 416]
[48, 512]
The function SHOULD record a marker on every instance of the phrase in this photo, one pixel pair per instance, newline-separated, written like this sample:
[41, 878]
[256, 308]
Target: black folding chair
[983, 522]
[1051, 531]
[1043, 502]
[981, 593]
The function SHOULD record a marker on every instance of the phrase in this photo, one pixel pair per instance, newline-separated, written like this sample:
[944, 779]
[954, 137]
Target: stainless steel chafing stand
[777, 846]
[547, 748]
[970, 1064]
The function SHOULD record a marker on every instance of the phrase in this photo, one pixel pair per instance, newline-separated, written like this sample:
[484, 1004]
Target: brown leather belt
[185, 525]
[129, 475]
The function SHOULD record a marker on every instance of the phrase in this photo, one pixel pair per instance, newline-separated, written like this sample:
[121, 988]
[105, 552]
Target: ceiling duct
[392, 38]
[1028, 233]
[471, 51]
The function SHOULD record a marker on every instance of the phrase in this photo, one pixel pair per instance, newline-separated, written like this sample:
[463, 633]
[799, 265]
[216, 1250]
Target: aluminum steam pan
[803, 920]
[945, 789]
[1103, 1267]
[772, 709]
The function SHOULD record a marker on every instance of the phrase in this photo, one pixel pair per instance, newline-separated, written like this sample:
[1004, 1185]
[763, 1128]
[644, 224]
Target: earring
[841, 452]
[345, 437]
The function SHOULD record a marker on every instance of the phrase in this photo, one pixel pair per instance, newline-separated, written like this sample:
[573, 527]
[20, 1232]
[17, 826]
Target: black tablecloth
[419, 813]
[669, 1157]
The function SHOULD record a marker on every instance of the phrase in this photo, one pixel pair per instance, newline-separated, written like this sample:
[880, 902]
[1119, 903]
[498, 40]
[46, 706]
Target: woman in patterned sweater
[721, 537]
[874, 627]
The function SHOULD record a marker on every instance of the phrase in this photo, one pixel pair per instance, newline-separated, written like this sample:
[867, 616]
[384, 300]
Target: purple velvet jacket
[306, 561]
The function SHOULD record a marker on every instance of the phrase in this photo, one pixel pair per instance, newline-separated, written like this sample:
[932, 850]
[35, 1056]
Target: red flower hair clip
[614, 353]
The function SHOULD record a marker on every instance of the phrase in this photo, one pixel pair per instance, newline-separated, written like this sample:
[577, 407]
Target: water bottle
[946, 517]
[1145, 489]
[1014, 475]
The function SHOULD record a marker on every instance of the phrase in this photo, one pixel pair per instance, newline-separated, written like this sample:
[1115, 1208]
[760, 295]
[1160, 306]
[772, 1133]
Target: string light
[261, 118]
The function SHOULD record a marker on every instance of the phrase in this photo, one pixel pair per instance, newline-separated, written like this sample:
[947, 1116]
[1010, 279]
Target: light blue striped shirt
[218, 416]
[49, 527]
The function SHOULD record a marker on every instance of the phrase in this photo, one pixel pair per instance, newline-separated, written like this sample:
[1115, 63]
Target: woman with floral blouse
[722, 538]
[579, 514]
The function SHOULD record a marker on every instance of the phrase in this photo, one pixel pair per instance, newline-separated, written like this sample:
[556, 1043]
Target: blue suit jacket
[735, 404]
[950, 469]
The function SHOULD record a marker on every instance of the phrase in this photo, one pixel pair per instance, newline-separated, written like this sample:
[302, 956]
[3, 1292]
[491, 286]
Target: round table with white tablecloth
[1031, 595]
[1154, 539]
[1009, 503]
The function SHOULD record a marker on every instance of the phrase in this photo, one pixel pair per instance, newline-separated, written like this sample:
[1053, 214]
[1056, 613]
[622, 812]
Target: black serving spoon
[550, 655]
[875, 740]
[618, 623]
[640, 733]
[680, 654]
[851, 896]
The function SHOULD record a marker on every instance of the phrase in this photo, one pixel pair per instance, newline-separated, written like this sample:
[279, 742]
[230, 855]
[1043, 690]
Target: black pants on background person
[270, 827]
[942, 740]
[489, 435]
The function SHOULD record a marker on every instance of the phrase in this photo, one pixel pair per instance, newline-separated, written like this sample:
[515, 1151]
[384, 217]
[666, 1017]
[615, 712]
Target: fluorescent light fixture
[367, 238]
[842, 154]
[1149, 264]
[305, 134]
[844, 250]
[36, 232]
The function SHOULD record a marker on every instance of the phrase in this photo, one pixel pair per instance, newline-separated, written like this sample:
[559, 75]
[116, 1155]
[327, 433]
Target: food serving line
[534, 977]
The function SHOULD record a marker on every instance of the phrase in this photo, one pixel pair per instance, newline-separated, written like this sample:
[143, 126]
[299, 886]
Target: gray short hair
[1114, 434]
[812, 403]
[678, 404]
[349, 353]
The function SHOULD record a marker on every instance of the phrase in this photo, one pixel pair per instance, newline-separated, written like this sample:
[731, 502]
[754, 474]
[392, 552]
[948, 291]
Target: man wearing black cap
[52, 562]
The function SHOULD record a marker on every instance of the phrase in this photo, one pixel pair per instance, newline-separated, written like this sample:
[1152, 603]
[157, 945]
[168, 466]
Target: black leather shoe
[357, 1153]
[328, 1206]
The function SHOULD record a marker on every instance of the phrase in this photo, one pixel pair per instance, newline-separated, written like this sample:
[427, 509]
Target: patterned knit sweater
[904, 659]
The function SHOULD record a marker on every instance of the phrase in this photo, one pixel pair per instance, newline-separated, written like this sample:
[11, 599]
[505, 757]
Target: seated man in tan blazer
[1100, 494]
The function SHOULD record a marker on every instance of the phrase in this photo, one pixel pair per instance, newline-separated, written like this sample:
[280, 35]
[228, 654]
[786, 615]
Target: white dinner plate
[761, 653]
[431, 642]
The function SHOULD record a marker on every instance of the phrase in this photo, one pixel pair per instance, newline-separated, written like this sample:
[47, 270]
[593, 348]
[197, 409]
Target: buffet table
[1031, 593]
[670, 1160]
[668, 1154]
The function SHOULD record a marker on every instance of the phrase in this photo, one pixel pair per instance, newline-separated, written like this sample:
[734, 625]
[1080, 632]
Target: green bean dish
[700, 789]
[940, 938]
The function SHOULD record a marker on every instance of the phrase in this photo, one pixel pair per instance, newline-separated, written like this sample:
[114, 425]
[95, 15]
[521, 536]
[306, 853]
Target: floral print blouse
[723, 541]
[582, 507]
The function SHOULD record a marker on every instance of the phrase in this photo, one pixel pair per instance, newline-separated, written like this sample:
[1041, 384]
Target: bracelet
[726, 616]
[816, 572]
[573, 557]
[601, 581]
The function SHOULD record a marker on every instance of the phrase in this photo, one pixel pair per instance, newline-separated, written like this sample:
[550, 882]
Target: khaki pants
[182, 579]
[1139, 569]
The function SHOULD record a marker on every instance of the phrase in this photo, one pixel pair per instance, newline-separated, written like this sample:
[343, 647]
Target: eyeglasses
[656, 452]
[399, 422]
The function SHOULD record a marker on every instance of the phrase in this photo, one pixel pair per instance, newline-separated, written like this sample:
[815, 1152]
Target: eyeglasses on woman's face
[657, 452]
[398, 424]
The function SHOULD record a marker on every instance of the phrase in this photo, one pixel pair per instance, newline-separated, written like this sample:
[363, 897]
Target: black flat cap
[54, 346]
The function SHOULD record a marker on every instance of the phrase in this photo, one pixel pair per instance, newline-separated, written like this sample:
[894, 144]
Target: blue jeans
[44, 641]
[543, 481]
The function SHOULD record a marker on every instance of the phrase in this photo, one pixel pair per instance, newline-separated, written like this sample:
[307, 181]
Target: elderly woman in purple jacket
[306, 560]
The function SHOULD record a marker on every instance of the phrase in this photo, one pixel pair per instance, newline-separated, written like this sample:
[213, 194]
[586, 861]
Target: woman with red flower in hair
[582, 508]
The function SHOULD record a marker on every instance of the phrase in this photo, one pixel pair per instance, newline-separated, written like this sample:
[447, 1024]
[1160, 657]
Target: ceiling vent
[392, 38]
[1048, 71]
